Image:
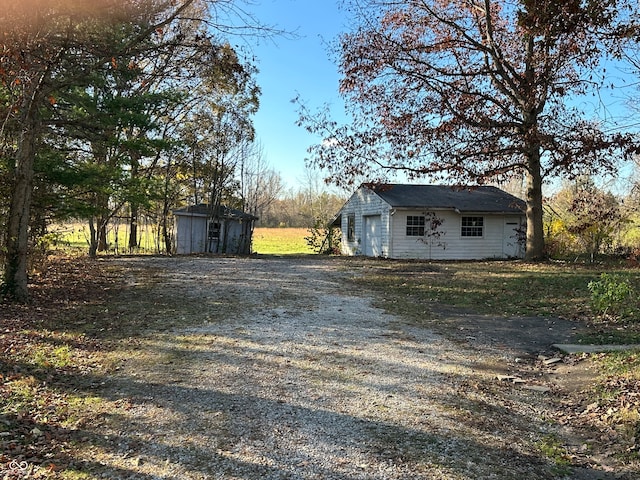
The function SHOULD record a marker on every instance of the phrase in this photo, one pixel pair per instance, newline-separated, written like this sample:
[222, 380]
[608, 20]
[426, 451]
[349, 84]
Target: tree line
[585, 220]
[124, 108]
[312, 202]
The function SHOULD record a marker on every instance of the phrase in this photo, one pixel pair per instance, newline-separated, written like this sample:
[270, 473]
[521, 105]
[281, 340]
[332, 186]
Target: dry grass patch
[281, 241]
[492, 287]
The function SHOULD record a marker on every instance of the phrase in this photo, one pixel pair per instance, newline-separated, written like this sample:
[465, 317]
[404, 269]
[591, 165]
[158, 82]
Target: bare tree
[260, 184]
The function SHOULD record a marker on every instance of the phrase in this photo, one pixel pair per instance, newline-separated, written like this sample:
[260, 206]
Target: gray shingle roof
[465, 199]
[223, 212]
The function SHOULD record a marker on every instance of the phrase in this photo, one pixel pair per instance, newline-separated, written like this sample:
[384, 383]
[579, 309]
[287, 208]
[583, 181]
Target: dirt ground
[526, 335]
[283, 369]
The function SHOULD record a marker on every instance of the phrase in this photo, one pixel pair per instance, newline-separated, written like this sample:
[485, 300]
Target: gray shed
[204, 229]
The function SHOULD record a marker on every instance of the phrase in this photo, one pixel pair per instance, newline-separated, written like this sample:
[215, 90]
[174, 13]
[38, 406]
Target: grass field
[281, 241]
[74, 236]
[267, 241]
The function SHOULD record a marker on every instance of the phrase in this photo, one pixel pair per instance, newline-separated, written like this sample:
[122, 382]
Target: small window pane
[415, 226]
[472, 226]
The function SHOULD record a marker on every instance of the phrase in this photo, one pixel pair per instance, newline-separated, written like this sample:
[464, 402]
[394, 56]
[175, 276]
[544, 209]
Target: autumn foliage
[473, 92]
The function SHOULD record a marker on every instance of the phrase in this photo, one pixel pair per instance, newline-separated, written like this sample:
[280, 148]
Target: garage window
[415, 226]
[351, 227]
[472, 226]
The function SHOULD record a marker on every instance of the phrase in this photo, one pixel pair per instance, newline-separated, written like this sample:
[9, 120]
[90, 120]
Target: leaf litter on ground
[45, 401]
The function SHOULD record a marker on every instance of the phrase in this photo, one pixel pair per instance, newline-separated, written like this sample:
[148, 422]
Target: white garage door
[372, 236]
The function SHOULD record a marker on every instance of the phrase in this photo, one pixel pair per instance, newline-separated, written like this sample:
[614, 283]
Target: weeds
[552, 448]
[323, 239]
[47, 357]
[613, 296]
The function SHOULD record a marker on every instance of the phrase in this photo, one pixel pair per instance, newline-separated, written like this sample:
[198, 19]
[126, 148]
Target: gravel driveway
[289, 373]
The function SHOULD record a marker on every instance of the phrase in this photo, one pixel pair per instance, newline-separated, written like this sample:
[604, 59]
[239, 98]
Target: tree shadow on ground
[122, 435]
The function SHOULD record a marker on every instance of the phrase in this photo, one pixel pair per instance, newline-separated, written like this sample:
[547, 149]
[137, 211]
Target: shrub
[612, 296]
[324, 239]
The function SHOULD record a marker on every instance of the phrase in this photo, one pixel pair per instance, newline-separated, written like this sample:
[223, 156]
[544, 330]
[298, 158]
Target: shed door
[372, 236]
[511, 246]
[213, 235]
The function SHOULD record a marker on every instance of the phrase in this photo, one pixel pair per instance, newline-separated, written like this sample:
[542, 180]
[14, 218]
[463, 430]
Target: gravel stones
[306, 379]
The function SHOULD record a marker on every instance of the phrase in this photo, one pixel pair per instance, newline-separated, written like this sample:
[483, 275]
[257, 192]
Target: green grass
[507, 288]
[621, 363]
[498, 288]
[58, 357]
[281, 241]
[74, 237]
[553, 449]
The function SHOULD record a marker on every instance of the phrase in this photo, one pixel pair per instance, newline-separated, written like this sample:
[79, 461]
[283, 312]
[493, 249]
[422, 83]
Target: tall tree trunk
[15, 268]
[166, 207]
[133, 223]
[103, 244]
[165, 226]
[93, 240]
[166, 235]
[535, 231]
[133, 228]
[102, 205]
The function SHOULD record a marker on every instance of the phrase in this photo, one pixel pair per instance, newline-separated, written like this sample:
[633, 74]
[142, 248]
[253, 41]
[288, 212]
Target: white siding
[451, 245]
[364, 203]
[497, 240]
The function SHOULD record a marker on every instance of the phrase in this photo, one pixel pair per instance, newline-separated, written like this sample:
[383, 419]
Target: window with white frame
[472, 226]
[415, 225]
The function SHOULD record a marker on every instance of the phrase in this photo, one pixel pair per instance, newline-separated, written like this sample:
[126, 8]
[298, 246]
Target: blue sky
[301, 66]
[290, 67]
